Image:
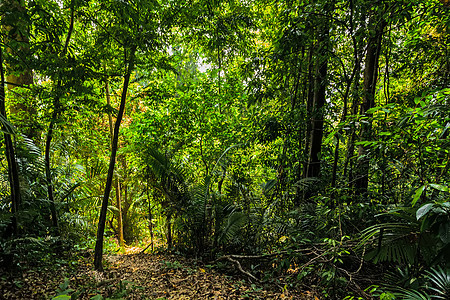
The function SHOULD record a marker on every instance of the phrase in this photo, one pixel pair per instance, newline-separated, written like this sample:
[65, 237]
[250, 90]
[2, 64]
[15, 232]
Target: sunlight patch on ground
[133, 250]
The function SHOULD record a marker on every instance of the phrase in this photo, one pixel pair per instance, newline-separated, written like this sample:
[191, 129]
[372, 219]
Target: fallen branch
[234, 259]
[238, 265]
[262, 256]
[317, 253]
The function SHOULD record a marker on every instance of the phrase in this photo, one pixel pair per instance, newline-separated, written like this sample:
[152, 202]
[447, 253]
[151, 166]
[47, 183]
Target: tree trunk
[13, 174]
[169, 232]
[309, 105]
[48, 174]
[150, 218]
[48, 141]
[318, 100]
[349, 82]
[116, 181]
[98, 254]
[370, 80]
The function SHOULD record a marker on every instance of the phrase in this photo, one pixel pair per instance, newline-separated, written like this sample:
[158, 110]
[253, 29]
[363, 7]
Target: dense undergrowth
[301, 146]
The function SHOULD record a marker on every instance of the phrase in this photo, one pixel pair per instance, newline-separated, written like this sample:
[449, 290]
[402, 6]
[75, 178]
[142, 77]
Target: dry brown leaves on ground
[140, 276]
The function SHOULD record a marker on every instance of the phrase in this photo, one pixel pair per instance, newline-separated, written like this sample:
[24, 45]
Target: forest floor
[136, 275]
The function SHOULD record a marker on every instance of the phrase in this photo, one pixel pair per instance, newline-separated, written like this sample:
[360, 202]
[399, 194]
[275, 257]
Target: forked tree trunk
[98, 254]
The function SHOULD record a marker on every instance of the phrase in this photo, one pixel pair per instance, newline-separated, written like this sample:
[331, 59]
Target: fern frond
[233, 224]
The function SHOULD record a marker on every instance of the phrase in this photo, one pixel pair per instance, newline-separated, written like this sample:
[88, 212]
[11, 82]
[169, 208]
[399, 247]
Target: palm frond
[411, 295]
[232, 224]
[395, 242]
[441, 283]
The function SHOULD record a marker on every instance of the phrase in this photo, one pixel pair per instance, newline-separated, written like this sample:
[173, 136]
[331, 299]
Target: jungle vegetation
[310, 137]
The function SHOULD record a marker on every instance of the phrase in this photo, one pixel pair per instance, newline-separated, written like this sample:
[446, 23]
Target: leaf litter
[139, 276]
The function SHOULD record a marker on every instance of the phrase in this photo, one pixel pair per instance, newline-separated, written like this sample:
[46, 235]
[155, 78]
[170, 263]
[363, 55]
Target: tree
[319, 95]
[13, 174]
[137, 27]
[98, 254]
[116, 183]
[56, 111]
[15, 27]
[373, 51]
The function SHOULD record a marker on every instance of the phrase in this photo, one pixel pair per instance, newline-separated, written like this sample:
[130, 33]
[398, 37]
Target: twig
[238, 265]
[361, 262]
[350, 279]
[148, 246]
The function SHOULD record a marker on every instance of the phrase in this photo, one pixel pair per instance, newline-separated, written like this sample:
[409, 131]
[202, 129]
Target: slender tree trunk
[370, 80]
[348, 172]
[48, 141]
[302, 135]
[349, 82]
[309, 105]
[98, 254]
[169, 232]
[150, 217]
[222, 178]
[116, 181]
[48, 174]
[126, 203]
[13, 173]
[343, 119]
[119, 214]
[319, 100]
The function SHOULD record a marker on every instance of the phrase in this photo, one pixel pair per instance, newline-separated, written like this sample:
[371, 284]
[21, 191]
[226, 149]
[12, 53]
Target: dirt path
[139, 276]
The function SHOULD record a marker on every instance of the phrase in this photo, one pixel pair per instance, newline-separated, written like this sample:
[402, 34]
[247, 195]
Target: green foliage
[410, 240]
[63, 291]
[435, 285]
[440, 281]
[123, 289]
[412, 295]
[216, 140]
[172, 265]
[28, 251]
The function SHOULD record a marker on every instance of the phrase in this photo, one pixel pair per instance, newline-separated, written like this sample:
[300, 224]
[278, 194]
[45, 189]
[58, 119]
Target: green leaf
[269, 185]
[444, 232]
[62, 297]
[372, 110]
[97, 297]
[112, 208]
[65, 284]
[439, 187]
[417, 194]
[385, 133]
[7, 126]
[423, 210]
